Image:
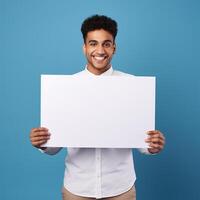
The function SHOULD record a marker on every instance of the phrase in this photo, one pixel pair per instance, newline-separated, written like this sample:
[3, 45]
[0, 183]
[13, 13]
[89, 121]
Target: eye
[92, 44]
[107, 44]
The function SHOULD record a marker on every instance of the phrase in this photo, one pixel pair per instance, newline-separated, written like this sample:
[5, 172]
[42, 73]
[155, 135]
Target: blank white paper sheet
[99, 111]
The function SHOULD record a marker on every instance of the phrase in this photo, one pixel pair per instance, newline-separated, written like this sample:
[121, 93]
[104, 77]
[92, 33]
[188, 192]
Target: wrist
[42, 148]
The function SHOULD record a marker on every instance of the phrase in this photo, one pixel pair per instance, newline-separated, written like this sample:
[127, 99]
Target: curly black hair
[97, 22]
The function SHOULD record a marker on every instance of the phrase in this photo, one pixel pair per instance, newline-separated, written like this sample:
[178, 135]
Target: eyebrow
[102, 42]
[92, 41]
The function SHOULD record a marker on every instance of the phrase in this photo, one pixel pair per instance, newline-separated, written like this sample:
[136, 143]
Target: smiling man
[95, 173]
[99, 48]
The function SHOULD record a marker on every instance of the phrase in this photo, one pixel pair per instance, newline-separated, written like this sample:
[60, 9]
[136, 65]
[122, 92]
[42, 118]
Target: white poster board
[99, 111]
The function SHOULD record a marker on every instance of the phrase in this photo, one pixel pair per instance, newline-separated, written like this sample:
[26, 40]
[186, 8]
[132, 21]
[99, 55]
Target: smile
[99, 58]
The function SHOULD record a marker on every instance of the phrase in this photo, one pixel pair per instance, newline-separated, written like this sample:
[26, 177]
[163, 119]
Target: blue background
[159, 38]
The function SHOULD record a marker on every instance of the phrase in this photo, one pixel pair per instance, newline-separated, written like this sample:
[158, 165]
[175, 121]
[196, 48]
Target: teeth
[98, 58]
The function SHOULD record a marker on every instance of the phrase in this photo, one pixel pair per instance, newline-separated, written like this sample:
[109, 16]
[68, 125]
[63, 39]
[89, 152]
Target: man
[94, 173]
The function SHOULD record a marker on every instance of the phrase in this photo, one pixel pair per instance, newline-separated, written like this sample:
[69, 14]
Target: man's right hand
[39, 136]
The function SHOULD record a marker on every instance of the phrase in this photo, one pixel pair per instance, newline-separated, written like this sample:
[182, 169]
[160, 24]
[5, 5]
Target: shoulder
[120, 73]
[81, 73]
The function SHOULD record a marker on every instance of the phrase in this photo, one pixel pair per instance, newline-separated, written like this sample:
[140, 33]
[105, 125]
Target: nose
[100, 49]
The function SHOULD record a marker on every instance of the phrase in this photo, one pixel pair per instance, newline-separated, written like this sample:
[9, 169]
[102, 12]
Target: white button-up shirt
[98, 172]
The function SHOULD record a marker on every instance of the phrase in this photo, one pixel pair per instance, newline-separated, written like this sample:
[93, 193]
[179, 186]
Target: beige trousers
[129, 195]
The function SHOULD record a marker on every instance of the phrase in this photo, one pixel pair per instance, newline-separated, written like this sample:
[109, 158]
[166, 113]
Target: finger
[39, 138]
[155, 140]
[156, 134]
[156, 146]
[39, 129]
[41, 133]
[159, 137]
[34, 131]
[153, 132]
[39, 143]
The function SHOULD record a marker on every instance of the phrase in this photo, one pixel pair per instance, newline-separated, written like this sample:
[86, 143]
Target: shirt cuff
[51, 150]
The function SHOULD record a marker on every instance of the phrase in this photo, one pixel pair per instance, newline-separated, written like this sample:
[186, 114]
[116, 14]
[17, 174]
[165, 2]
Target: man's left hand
[156, 141]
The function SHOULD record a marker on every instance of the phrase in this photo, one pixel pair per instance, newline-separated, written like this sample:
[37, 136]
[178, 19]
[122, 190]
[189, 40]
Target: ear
[114, 48]
[84, 49]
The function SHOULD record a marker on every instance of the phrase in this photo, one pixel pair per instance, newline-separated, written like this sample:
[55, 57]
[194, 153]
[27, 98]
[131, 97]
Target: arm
[38, 137]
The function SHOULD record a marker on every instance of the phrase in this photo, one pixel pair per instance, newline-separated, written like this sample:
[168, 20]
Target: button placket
[98, 173]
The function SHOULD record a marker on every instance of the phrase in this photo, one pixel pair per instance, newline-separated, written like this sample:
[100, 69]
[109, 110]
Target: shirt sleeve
[145, 151]
[51, 150]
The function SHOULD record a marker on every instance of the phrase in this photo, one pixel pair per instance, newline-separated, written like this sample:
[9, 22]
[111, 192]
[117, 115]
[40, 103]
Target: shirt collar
[106, 73]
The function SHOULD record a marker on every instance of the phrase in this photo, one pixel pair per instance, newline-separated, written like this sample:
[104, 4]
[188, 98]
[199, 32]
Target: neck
[96, 71]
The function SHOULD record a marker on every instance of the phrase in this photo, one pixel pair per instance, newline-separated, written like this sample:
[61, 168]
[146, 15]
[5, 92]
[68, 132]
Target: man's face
[99, 48]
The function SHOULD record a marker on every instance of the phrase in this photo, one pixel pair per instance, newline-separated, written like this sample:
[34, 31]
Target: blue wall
[159, 38]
